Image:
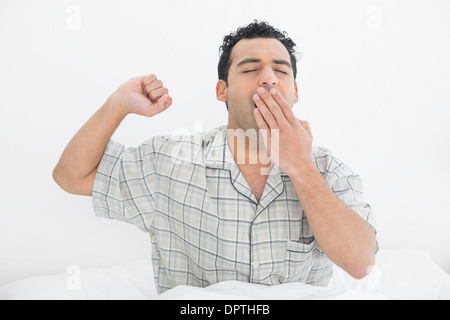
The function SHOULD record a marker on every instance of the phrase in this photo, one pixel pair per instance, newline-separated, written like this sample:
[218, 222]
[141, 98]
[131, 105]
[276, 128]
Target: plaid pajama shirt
[204, 222]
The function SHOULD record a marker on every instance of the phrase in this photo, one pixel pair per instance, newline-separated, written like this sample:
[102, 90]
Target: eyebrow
[253, 60]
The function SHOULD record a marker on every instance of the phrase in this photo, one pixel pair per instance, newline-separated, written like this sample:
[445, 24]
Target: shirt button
[255, 264]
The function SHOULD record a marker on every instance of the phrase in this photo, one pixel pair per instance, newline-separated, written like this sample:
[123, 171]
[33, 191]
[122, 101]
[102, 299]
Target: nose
[268, 78]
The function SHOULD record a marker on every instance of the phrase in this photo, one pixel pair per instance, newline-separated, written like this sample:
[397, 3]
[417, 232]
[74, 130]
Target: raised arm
[77, 167]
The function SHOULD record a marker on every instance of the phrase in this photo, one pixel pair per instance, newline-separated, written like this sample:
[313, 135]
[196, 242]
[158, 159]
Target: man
[252, 201]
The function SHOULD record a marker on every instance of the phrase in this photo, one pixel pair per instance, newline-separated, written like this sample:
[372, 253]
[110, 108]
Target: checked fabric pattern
[203, 220]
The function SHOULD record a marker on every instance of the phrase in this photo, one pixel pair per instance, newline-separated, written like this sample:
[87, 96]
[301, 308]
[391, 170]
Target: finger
[148, 88]
[306, 125]
[284, 107]
[155, 95]
[148, 79]
[273, 106]
[265, 112]
[163, 103]
[262, 124]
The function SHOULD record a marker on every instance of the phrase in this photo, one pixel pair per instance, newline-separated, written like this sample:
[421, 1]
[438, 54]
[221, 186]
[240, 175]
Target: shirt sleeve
[124, 186]
[346, 185]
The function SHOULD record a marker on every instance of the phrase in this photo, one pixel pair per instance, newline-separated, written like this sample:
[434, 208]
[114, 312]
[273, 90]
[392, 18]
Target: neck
[248, 149]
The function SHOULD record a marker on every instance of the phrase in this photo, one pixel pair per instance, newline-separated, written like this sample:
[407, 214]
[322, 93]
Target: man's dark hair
[254, 30]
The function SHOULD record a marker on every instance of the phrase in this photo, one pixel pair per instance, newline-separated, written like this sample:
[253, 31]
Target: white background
[374, 83]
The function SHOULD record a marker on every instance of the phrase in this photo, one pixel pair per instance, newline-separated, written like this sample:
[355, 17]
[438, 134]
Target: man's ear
[222, 91]
[296, 93]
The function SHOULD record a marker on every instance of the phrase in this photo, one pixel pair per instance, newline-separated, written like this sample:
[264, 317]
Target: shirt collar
[218, 153]
[219, 156]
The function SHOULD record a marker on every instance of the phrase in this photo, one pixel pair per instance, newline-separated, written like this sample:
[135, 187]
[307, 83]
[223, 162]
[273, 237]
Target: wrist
[115, 106]
[303, 174]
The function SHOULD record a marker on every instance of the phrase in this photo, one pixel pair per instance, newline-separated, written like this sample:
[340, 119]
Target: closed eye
[280, 71]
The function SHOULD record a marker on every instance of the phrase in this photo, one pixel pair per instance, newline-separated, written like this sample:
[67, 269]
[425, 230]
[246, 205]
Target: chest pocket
[306, 263]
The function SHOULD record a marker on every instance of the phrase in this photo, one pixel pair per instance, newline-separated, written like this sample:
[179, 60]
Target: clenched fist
[145, 95]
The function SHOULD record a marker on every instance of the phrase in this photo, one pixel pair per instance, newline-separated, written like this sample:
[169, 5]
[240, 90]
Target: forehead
[259, 48]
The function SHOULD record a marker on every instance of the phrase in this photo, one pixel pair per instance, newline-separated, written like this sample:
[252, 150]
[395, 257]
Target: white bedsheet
[399, 274]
